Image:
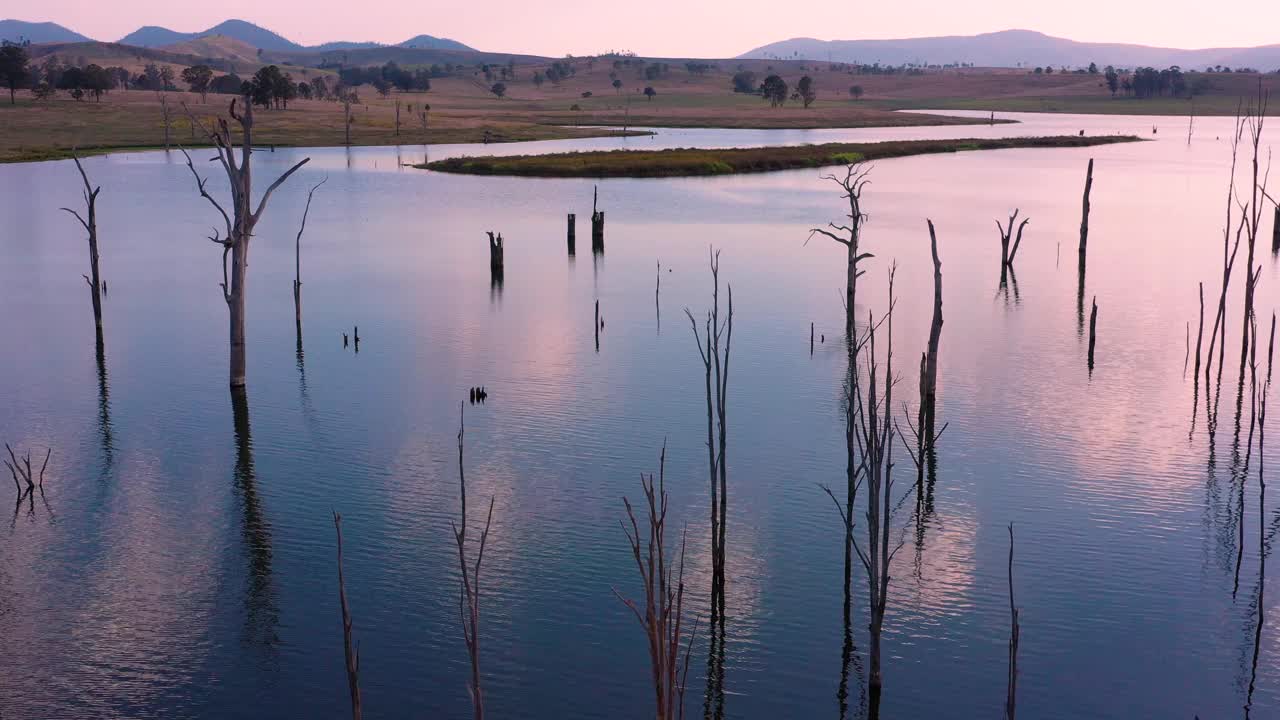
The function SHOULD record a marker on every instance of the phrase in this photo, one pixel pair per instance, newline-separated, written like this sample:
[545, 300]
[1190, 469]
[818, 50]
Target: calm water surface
[183, 565]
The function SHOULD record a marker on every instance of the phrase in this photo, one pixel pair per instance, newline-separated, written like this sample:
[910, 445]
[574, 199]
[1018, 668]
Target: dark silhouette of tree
[649, 92]
[538, 78]
[745, 82]
[197, 78]
[1113, 80]
[383, 87]
[499, 89]
[1093, 68]
[319, 87]
[774, 90]
[855, 91]
[617, 85]
[226, 84]
[13, 68]
[96, 81]
[806, 91]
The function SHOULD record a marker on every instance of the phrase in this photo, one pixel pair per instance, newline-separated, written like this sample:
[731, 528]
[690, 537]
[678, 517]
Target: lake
[182, 561]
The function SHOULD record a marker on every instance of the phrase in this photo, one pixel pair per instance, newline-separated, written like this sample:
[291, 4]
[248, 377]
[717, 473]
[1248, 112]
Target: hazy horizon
[666, 28]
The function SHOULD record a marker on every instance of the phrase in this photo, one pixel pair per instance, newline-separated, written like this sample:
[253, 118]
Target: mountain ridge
[37, 32]
[1013, 48]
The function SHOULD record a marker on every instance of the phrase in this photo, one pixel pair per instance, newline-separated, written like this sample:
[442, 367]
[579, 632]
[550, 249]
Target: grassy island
[684, 162]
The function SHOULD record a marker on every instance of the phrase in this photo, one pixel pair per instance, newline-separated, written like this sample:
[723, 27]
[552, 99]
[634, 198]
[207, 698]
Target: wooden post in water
[597, 326]
[573, 233]
[811, 338]
[1093, 330]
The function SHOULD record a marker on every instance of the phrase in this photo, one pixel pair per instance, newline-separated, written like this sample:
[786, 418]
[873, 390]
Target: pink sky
[707, 28]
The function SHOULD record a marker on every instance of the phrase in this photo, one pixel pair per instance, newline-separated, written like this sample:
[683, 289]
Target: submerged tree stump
[495, 253]
[1275, 231]
[1093, 330]
[597, 224]
[573, 233]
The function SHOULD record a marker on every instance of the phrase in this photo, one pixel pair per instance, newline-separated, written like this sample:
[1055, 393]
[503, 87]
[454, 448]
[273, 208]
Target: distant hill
[261, 38]
[246, 32]
[431, 42]
[43, 32]
[216, 46]
[1013, 48]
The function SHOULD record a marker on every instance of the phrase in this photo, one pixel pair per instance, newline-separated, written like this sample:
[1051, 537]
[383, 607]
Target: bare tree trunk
[1199, 335]
[853, 183]
[469, 596]
[350, 650]
[1093, 330]
[1256, 120]
[929, 393]
[397, 117]
[715, 360]
[297, 261]
[239, 224]
[90, 224]
[1084, 218]
[1275, 231]
[663, 615]
[1014, 636]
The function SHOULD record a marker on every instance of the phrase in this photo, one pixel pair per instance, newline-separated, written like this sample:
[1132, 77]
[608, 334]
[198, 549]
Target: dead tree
[663, 615]
[1275, 231]
[297, 260]
[1093, 330]
[495, 253]
[853, 183]
[597, 224]
[469, 592]
[397, 117]
[1084, 233]
[90, 223]
[1251, 213]
[348, 96]
[714, 345]
[1014, 635]
[240, 223]
[350, 650]
[1008, 250]
[21, 472]
[1218, 336]
[166, 114]
[1199, 336]
[572, 233]
[873, 433]
[924, 430]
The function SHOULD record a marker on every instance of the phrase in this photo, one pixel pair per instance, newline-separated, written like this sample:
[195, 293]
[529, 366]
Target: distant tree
[1093, 68]
[152, 81]
[262, 89]
[805, 89]
[319, 87]
[855, 91]
[1127, 85]
[197, 78]
[44, 91]
[119, 77]
[538, 78]
[96, 81]
[229, 84]
[649, 92]
[422, 80]
[383, 86]
[586, 94]
[1040, 71]
[774, 90]
[744, 81]
[1048, 70]
[13, 68]
[74, 80]
[166, 78]
[499, 89]
[1112, 79]
[617, 85]
[304, 90]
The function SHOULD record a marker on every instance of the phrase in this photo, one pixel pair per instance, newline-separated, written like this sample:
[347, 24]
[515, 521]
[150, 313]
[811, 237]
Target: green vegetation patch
[686, 162]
